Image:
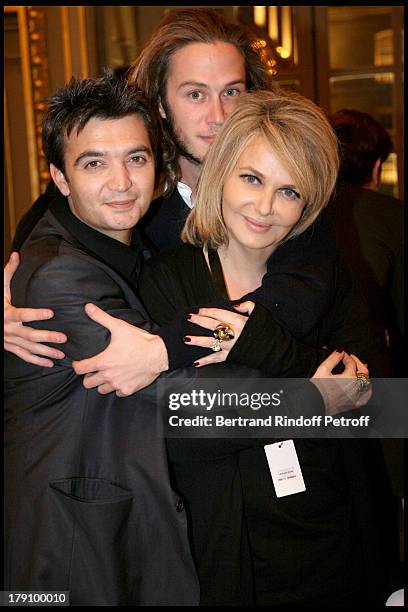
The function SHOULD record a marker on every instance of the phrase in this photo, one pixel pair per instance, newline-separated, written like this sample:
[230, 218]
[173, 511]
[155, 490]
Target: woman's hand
[209, 318]
[341, 392]
[24, 341]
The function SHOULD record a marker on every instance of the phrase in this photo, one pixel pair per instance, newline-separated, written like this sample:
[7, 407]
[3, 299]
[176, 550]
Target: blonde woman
[267, 177]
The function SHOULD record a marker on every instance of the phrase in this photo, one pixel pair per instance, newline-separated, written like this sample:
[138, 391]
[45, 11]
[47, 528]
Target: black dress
[304, 549]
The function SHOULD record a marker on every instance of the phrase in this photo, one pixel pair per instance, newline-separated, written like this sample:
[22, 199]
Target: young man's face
[203, 84]
[109, 174]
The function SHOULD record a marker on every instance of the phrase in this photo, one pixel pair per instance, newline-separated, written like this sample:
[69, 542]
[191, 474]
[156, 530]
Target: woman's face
[261, 201]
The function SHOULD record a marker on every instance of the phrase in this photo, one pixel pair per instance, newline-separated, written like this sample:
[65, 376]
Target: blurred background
[339, 56]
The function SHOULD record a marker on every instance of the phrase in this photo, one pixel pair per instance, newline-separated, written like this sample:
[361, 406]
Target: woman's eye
[290, 194]
[251, 179]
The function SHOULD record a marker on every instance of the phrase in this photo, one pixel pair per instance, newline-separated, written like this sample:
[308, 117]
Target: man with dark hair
[364, 147]
[369, 227]
[89, 506]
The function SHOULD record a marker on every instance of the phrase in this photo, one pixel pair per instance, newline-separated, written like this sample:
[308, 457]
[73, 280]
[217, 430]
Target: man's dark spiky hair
[105, 97]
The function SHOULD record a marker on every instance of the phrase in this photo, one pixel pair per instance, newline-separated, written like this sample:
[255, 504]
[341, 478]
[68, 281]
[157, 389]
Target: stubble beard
[181, 146]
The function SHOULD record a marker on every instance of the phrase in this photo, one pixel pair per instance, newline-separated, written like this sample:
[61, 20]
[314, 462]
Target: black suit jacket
[89, 507]
[164, 220]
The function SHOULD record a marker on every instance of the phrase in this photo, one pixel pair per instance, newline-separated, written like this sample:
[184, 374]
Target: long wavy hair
[180, 28]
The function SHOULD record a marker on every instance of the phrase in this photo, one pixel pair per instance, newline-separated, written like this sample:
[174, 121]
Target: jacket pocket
[94, 515]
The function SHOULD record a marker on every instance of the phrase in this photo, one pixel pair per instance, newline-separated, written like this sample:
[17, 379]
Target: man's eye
[196, 95]
[138, 159]
[232, 92]
[94, 163]
[250, 178]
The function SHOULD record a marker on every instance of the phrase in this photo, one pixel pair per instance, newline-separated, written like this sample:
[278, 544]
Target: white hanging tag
[285, 468]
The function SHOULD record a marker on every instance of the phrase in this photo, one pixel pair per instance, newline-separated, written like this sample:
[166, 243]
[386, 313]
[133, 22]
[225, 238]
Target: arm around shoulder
[65, 284]
[267, 345]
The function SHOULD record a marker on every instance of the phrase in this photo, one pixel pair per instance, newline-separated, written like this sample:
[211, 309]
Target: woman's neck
[243, 269]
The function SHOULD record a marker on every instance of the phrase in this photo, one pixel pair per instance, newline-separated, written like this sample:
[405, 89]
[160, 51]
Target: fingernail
[187, 339]
[189, 316]
[340, 350]
[196, 364]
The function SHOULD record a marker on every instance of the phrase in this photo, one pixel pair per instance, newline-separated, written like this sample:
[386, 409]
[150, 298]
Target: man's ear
[59, 179]
[376, 173]
[161, 110]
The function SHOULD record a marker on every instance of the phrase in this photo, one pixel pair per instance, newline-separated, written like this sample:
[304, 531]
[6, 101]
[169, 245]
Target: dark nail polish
[187, 339]
[340, 349]
[188, 316]
[194, 310]
[196, 364]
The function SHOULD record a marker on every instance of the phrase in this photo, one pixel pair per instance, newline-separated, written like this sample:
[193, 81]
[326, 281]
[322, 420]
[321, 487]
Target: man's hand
[21, 340]
[132, 361]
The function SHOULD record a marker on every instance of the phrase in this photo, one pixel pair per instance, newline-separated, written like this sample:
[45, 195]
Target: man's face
[203, 85]
[109, 174]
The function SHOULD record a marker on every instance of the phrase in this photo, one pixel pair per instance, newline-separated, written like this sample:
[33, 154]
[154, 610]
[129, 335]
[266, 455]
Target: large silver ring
[363, 381]
[223, 332]
[216, 345]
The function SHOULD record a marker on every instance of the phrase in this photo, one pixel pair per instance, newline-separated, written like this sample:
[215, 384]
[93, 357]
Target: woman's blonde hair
[299, 135]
